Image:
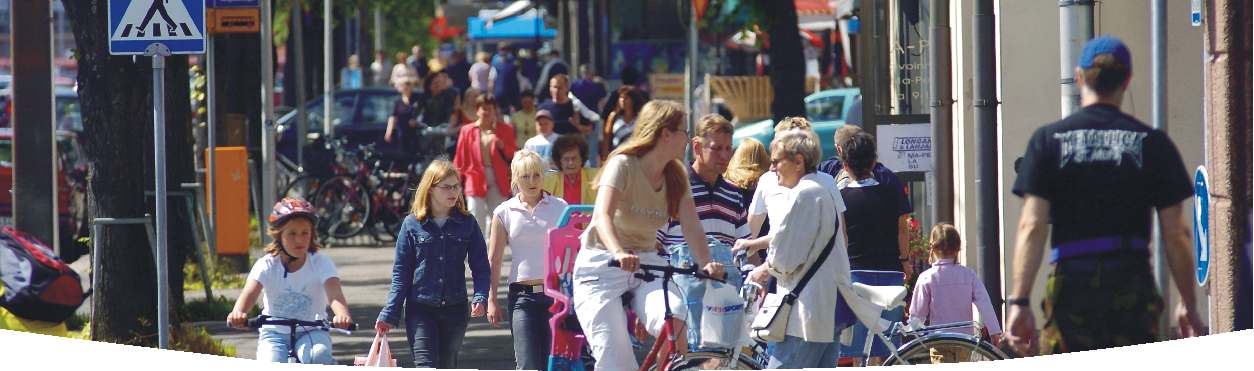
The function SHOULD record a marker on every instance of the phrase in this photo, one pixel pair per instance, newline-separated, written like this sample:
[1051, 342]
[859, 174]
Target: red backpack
[37, 284]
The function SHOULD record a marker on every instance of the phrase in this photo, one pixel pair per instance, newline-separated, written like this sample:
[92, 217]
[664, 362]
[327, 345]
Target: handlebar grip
[253, 323]
[614, 263]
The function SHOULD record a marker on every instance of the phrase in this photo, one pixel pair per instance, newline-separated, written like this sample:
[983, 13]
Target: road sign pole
[158, 53]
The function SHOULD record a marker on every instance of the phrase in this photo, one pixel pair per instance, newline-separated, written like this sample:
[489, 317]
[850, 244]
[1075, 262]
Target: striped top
[721, 210]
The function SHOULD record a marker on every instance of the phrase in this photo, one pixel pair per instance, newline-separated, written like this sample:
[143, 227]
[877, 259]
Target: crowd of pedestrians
[813, 227]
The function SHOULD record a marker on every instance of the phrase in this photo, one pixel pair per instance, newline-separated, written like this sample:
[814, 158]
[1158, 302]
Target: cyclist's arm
[694, 232]
[335, 295]
[496, 253]
[607, 200]
[247, 298]
[1030, 244]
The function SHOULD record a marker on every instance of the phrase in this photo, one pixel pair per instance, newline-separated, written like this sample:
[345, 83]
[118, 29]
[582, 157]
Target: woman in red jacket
[483, 159]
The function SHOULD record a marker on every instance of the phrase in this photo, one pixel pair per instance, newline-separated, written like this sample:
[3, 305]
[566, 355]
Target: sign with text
[667, 86]
[234, 20]
[905, 147]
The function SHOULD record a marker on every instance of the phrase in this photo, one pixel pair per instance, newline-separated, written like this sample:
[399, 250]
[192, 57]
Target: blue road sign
[233, 3]
[134, 25]
[1201, 224]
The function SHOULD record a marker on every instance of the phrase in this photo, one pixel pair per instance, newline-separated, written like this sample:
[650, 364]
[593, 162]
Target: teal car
[825, 109]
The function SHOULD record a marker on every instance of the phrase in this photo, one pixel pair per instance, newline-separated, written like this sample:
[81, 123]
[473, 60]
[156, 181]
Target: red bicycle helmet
[290, 207]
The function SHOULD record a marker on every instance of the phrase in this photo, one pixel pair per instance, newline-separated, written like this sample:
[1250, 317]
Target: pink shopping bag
[380, 353]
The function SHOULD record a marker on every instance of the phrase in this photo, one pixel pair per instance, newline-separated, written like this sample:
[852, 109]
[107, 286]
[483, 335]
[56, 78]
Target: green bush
[221, 275]
[190, 338]
[210, 310]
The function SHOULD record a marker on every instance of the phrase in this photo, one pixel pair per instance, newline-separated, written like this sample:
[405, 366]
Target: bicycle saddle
[885, 296]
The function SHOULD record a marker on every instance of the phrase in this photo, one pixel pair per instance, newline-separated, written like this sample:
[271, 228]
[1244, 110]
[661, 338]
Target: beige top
[641, 210]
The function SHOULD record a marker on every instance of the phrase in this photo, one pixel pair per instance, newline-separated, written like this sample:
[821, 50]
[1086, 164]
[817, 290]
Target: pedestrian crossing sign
[134, 25]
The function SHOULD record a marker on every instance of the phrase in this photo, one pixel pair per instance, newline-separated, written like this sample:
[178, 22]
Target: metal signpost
[158, 28]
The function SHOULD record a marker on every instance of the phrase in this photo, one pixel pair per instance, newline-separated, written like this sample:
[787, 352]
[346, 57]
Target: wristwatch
[1019, 301]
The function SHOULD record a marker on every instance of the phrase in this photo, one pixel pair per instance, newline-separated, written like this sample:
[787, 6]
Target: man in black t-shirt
[1098, 175]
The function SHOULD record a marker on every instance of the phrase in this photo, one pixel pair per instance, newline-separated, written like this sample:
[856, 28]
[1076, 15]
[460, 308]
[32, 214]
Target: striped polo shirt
[719, 206]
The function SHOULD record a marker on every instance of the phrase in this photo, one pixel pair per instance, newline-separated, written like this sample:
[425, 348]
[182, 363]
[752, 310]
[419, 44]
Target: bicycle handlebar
[293, 323]
[665, 269]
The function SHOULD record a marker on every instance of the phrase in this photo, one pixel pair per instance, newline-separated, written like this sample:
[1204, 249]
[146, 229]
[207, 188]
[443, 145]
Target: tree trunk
[787, 59]
[115, 95]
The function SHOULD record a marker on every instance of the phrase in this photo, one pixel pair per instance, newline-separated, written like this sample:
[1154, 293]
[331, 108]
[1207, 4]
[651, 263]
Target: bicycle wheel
[343, 207]
[303, 187]
[712, 360]
[392, 206]
[949, 348]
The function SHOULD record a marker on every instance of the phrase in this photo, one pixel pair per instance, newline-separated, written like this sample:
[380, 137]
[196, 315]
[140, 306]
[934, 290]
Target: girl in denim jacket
[428, 275]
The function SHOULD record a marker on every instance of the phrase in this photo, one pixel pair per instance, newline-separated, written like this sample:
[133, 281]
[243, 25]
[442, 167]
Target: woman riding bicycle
[294, 282]
[642, 185]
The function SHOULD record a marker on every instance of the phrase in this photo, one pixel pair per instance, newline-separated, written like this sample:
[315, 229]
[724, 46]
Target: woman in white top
[641, 186]
[810, 222]
[522, 222]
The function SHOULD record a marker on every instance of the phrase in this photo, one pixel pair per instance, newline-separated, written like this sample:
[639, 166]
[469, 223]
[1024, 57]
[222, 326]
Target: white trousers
[598, 289]
[481, 207]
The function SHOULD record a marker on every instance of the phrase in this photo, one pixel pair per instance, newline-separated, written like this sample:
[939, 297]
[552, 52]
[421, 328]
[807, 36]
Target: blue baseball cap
[1105, 44]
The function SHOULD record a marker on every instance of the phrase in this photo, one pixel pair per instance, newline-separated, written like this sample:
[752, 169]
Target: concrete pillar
[1227, 39]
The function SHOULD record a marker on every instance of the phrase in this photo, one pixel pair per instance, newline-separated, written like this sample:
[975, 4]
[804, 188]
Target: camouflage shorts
[1100, 302]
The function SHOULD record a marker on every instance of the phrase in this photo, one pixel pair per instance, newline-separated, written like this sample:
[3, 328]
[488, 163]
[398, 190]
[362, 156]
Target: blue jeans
[794, 352]
[435, 333]
[312, 346]
[529, 326]
[873, 278]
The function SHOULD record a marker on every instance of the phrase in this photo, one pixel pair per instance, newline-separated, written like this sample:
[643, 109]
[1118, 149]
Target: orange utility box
[230, 198]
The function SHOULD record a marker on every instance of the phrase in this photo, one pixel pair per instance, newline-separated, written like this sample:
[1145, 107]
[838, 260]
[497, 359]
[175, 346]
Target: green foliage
[190, 338]
[214, 309]
[220, 275]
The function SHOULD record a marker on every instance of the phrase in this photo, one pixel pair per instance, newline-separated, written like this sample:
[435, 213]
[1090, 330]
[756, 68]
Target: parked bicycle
[927, 342]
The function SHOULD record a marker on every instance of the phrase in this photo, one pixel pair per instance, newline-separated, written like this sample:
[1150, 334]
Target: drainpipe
[1158, 31]
[942, 187]
[986, 146]
[1075, 28]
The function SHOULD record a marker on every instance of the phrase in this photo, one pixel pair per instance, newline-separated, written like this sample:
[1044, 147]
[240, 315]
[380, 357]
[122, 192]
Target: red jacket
[468, 159]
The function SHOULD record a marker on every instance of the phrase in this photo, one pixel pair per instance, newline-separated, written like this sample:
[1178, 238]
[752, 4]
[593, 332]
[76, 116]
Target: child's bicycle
[665, 343]
[928, 344]
[292, 324]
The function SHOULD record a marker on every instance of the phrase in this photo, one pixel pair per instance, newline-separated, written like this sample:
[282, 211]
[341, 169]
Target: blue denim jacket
[430, 265]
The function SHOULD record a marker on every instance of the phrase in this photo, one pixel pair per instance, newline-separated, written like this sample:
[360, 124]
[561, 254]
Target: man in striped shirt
[719, 203]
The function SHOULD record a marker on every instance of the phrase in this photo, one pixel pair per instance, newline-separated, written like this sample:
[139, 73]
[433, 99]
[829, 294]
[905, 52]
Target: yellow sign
[233, 20]
[669, 86]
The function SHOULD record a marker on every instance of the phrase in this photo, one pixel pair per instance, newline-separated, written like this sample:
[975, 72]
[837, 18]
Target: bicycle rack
[198, 238]
[97, 225]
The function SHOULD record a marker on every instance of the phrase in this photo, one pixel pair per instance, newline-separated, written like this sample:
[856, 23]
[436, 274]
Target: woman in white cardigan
[802, 235]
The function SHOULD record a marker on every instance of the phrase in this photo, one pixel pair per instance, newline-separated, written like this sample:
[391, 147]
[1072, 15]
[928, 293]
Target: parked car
[71, 188]
[826, 111]
[68, 115]
[361, 117]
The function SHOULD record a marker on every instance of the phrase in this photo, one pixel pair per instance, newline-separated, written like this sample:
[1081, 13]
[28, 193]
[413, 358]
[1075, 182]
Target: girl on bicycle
[522, 222]
[294, 282]
[946, 291]
[642, 185]
[428, 275]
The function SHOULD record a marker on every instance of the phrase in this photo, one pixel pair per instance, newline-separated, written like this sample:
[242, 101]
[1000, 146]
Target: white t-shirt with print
[300, 295]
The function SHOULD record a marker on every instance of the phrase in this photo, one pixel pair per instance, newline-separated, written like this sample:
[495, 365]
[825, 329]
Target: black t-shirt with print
[1103, 172]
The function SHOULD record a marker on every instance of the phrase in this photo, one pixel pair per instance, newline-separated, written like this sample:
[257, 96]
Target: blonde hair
[525, 162]
[654, 117]
[945, 240]
[793, 122]
[438, 171]
[711, 124]
[748, 164]
[275, 231]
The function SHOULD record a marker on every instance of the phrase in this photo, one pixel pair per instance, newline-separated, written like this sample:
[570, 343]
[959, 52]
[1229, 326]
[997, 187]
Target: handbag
[771, 321]
[380, 353]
